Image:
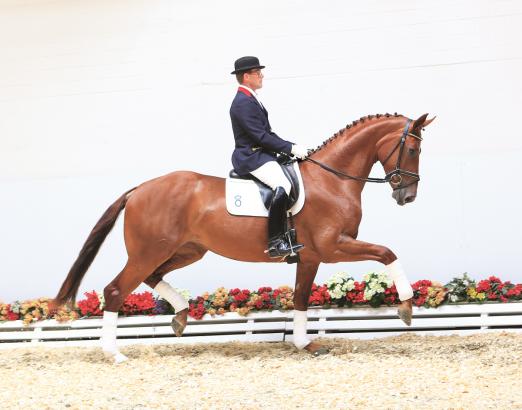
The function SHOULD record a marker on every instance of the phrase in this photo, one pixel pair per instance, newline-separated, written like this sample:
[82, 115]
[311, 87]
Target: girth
[266, 192]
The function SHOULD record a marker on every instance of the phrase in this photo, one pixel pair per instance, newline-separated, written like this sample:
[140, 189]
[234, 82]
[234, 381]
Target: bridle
[394, 176]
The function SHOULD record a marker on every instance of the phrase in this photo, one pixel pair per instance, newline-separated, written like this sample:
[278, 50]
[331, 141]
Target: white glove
[299, 151]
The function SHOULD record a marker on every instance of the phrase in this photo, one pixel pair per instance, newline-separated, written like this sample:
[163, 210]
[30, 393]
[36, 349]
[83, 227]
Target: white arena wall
[98, 96]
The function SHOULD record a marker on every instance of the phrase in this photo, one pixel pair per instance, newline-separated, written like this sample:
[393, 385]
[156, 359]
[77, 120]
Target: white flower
[184, 292]
[101, 298]
[336, 293]
[340, 277]
[383, 278]
[368, 294]
[349, 285]
[339, 284]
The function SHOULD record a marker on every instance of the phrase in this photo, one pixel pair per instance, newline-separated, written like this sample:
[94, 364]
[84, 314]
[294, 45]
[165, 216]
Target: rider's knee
[286, 186]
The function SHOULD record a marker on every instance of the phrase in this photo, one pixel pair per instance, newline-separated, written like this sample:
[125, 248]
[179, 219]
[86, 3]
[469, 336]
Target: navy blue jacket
[255, 141]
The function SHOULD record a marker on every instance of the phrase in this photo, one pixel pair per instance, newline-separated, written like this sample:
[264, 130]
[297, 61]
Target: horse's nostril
[409, 199]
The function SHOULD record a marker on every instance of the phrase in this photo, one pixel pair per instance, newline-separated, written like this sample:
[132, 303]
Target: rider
[256, 151]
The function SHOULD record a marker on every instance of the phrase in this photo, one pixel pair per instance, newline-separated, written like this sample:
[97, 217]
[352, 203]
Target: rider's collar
[250, 91]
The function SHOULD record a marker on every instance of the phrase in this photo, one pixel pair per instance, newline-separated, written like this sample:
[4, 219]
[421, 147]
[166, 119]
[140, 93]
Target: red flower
[90, 306]
[356, 295]
[419, 301]
[12, 316]
[515, 291]
[264, 289]
[197, 308]
[319, 295]
[483, 286]
[138, 303]
[492, 296]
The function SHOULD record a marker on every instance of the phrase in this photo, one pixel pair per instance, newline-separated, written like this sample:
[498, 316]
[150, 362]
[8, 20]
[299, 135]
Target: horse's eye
[412, 152]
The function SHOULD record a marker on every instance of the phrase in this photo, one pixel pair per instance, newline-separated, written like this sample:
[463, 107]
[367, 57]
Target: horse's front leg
[353, 250]
[304, 279]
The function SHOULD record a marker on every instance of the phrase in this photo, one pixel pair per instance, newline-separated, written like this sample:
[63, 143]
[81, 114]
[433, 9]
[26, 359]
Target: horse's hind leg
[134, 273]
[184, 256]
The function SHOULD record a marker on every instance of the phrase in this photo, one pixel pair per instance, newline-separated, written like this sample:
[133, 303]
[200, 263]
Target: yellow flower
[243, 311]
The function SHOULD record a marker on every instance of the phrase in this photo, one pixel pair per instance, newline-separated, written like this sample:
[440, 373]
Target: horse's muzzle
[404, 196]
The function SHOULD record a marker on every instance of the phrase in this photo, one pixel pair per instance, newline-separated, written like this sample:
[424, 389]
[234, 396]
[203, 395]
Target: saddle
[266, 192]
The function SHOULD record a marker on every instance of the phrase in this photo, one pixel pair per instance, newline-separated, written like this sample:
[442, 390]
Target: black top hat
[246, 63]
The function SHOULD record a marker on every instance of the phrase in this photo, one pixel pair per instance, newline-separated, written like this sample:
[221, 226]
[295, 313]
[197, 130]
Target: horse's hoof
[320, 352]
[405, 311]
[120, 358]
[316, 349]
[178, 324]
[115, 357]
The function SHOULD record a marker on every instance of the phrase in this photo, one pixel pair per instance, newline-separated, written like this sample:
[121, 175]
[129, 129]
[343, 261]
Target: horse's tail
[90, 248]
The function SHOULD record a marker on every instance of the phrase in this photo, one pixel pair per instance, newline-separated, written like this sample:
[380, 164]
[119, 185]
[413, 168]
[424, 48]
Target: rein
[390, 176]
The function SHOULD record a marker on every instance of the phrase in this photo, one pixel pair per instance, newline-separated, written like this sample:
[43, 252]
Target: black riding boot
[278, 238]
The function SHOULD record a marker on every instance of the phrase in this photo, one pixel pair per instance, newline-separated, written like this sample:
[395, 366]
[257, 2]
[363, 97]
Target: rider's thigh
[272, 175]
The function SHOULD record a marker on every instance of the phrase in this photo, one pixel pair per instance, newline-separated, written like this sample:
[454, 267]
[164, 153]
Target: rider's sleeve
[249, 117]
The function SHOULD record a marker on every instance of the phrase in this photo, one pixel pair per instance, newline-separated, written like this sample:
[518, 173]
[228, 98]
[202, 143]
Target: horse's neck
[352, 152]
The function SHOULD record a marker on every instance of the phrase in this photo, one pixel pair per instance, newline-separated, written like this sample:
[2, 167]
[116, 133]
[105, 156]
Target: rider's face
[254, 79]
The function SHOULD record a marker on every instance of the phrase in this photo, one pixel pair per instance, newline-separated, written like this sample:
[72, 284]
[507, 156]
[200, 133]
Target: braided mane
[353, 124]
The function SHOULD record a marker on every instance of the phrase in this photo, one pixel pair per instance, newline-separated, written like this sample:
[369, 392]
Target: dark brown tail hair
[90, 248]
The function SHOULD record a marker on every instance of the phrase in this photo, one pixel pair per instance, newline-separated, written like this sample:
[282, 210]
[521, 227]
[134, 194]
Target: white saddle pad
[243, 197]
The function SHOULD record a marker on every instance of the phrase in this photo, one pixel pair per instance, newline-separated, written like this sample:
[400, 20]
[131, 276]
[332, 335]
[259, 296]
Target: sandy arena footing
[409, 371]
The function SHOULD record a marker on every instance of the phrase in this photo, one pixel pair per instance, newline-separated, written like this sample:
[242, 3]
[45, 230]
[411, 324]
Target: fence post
[322, 320]
[36, 332]
[483, 317]
[250, 322]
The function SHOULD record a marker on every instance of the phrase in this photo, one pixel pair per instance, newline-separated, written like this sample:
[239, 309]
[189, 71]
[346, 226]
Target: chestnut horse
[172, 221]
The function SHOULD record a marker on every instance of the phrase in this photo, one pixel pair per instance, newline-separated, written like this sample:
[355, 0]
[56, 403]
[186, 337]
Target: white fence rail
[360, 323]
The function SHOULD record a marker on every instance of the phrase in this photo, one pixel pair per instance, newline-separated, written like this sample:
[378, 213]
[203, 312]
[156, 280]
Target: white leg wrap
[168, 293]
[396, 272]
[300, 337]
[108, 338]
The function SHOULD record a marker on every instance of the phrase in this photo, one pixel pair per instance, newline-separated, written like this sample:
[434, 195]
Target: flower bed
[342, 290]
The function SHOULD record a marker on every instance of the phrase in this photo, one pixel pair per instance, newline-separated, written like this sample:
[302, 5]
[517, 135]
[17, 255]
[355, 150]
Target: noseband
[394, 176]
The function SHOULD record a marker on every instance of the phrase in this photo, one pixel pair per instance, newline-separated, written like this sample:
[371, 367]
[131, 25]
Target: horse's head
[399, 154]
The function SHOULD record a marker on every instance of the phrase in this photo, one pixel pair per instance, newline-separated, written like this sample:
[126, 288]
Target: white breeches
[272, 175]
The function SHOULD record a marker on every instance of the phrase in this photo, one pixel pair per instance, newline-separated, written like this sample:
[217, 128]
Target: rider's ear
[420, 122]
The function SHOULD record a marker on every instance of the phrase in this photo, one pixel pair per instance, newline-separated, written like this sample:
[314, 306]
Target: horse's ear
[428, 122]
[420, 122]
